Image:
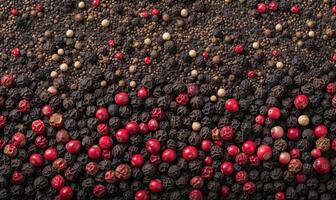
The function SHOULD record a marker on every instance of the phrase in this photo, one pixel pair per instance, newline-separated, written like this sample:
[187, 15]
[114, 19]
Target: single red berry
[273, 6]
[66, 193]
[102, 114]
[153, 125]
[18, 139]
[121, 98]
[195, 195]
[122, 135]
[155, 186]
[284, 158]
[205, 55]
[144, 14]
[192, 89]
[277, 132]
[153, 146]
[24, 106]
[50, 154]
[111, 43]
[132, 127]
[249, 147]
[73, 146]
[207, 172]
[238, 48]
[261, 8]
[47, 110]
[260, 119]
[105, 142]
[103, 129]
[38, 8]
[241, 159]
[94, 152]
[249, 188]
[155, 12]
[137, 160]
[91, 168]
[208, 160]
[295, 9]
[182, 99]
[301, 101]
[331, 88]
[197, 182]
[227, 133]
[334, 57]
[58, 182]
[38, 127]
[225, 191]
[143, 128]
[275, 53]
[147, 60]
[15, 52]
[62, 136]
[316, 153]
[233, 150]
[99, 191]
[142, 93]
[251, 74]
[293, 134]
[41, 141]
[17, 178]
[118, 55]
[333, 9]
[322, 165]
[95, 3]
[190, 153]
[274, 113]
[157, 113]
[241, 177]
[232, 105]
[227, 168]
[280, 196]
[142, 195]
[300, 178]
[56, 120]
[14, 12]
[264, 152]
[154, 159]
[207, 144]
[320, 131]
[36, 160]
[295, 153]
[3, 121]
[7, 80]
[168, 155]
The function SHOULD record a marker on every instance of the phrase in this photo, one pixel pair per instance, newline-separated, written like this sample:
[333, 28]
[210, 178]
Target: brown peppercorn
[295, 165]
[215, 133]
[280, 144]
[123, 172]
[323, 144]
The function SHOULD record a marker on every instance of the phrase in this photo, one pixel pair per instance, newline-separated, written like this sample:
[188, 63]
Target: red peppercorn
[47, 110]
[38, 8]
[132, 127]
[17, 178]
[18, 139]
[333, 9]
[197, 182]
[56, 120]
[123, 172]
[59, 165]
[189, 153]
[205, 55]
[295, 153]
[110, 176]
[192, 89]
[99, 191]
[66, 193]
[105, 142]
[261, 8]
[118, 56]
[260, 119]
[301, 101]
[73, 146]
[331, 88]
[280, 196]
[284, 158]
[322, 165]
[238, 48]
[273, 6]
[274, 113]
[218, 143]
[195, 195]
[36, 160]
[144, 14]
[153, 146]
[293, 134]
[103, 129]
[137, 160]
[207, 144]
[154, 159]
[233, 150]
[227, 168]
[207, 172]
[208, 160]
[3, 121]
[14, 12]
[102, 114]
[249, 147]
[300, 178]
[24, 106]
[227, 133]
[232, 105]
[50, 154]
[168, 155]
[182, 99]
[38, 127]
[147, 60]
[58, 182]
[249, 188]
[277, 132]
[320, 131]
[316, 153]
[155, 186]
[157, 113]
[225, 191]
[121, 98]
[94, 152]
[241, 177]
[7, 80]
[122, 135]
[264, 152]
[142, 195]
[95, 3]
[295, 9]
[275, 53]
[41, 142]
[153, 125]
[143, 128]
[241, 159]
[334, 57]
[111, 43]
[15, 52]
[155, 12]
[142, 93]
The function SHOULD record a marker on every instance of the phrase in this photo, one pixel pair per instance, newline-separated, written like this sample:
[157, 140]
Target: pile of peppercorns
[199, 110]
